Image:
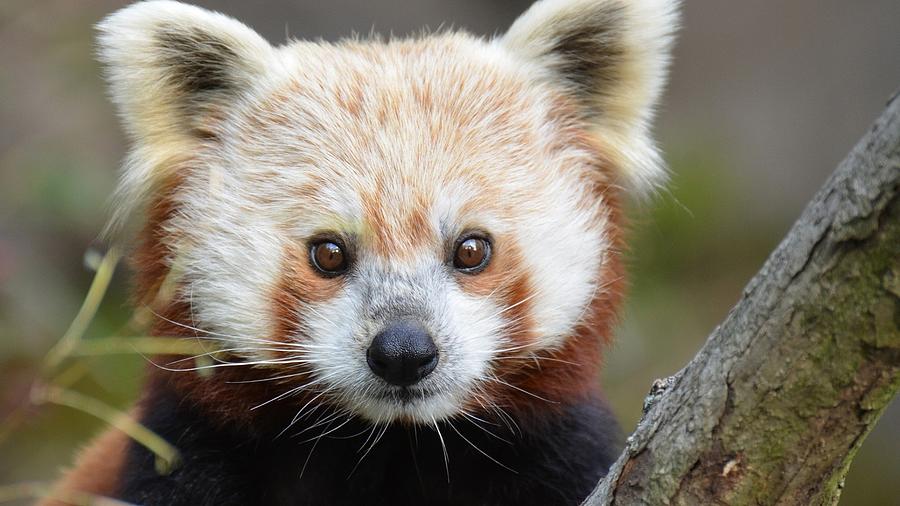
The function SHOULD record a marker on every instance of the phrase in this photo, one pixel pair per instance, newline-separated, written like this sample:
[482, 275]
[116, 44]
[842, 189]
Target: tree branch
[777, 402]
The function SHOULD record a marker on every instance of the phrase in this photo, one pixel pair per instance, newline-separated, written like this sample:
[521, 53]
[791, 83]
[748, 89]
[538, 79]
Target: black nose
[403, 353]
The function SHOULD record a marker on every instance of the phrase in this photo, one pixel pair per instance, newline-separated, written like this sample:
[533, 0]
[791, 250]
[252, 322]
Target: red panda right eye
[328, 258]
[472, 254]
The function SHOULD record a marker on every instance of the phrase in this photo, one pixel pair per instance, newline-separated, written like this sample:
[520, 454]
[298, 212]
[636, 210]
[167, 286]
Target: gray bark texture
[775, 405]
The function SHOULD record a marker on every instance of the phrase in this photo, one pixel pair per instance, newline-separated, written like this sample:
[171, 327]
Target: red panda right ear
[612, 57]
[171, 68]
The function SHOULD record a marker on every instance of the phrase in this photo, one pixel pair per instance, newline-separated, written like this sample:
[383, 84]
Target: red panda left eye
[328, 257]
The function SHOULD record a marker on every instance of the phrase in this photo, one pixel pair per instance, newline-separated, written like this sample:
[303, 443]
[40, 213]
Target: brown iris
[328, 257]
[472, 254]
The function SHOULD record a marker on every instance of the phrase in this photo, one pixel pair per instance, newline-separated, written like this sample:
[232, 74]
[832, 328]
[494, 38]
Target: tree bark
[775, 405]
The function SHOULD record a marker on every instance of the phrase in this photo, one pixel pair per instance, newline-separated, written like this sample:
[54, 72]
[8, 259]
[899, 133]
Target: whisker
[263, 380]
[472, 419]
[500, 412]
[308, 307]
[215, 334]
[293, 391]
[323, 419]
[510, 385]
[227, 350]
[329, 431]
[443, 447]
[300, 415]
[538, 357]
[504, 466]
[368, 438]
[374, 442]
[309, 456]
[215, 366]
[513, 306]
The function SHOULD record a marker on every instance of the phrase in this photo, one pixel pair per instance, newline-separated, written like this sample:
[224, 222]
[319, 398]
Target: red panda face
[412, 230]
[340, 202]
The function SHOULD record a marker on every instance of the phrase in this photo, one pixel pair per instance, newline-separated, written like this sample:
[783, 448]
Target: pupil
[471, 252]
[329, 256]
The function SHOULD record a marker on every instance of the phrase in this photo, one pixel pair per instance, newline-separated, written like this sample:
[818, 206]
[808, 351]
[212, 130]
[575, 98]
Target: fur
[244, 153]
[543, 461]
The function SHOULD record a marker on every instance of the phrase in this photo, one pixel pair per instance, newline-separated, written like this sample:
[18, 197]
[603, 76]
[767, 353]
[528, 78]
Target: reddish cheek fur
[298, 285]
[506, 279]
[224, 394]
[572, 371]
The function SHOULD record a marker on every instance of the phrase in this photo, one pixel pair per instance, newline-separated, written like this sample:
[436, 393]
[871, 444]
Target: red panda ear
[167, 62]
[612, 56]
[172, 68]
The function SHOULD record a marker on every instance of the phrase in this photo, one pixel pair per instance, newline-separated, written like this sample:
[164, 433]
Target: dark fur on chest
[553, 460]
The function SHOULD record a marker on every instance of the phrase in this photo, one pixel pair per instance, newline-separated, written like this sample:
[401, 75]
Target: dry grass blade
[69, 341]
[166, 454]
[145, 345]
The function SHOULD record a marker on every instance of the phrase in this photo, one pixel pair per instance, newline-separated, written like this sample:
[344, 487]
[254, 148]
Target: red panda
[405, 253]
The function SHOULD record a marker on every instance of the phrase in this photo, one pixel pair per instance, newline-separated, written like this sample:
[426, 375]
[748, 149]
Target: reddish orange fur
[572, 371]
[96, 470]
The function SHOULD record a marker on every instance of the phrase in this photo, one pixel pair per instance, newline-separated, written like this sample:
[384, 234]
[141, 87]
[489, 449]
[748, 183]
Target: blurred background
[766, 98]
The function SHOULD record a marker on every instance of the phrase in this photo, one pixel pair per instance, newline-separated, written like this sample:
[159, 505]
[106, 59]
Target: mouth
[415, 404]
[405, 395]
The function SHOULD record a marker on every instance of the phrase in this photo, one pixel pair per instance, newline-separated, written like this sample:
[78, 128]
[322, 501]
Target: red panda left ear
[612, 56]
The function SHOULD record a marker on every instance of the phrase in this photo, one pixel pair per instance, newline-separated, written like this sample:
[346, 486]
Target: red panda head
[407, 230]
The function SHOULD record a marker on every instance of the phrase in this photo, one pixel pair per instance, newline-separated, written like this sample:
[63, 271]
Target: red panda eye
[472, 255]
[328, 257]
